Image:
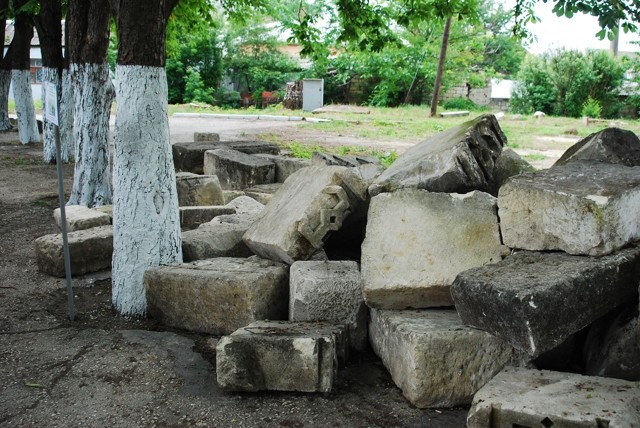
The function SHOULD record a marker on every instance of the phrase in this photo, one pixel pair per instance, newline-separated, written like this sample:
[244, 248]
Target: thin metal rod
[63, 226]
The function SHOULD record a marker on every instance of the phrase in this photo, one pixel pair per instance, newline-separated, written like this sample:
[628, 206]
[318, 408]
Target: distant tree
[5, 72]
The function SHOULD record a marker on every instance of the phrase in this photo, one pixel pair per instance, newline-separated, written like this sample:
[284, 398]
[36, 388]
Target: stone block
[192, 217]
[285, 166]
[535, 301]
[508, 164]
[237, 170]
[459, 160]
[538, 398]
[80, 217]
[417, 242]
[221, 237]
[245, 205]
[263, 192]
[312, 203]
[281, 356]
[612, 346]
[611, 145]
[189, 157]
[586, 208]
[217, 296]
[206, 137]
[90, 250]
[320, 159]
[434, 359]
[329, 291]
[198, 190]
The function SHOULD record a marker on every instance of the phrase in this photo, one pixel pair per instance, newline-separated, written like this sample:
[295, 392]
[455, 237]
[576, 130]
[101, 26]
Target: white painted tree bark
[65, 114]
[146, 224]
[94, 95]
[52, 76]
[25, 110]
[5, 83]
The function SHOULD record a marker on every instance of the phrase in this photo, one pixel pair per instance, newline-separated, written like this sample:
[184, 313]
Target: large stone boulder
[198, 190]
[90, 250]
[434, 359]
[611, 145]
[79, 217]
[312, 203]
[538, 398]
[237, 170]
[281, 356]
[535, 301]
[459, 160]
[582, 207]
[329, 291]
[217, 296]
[418, 241]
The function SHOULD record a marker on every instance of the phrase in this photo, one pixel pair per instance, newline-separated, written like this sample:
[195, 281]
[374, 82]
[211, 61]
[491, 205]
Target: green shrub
[460, 104]
[591, 108]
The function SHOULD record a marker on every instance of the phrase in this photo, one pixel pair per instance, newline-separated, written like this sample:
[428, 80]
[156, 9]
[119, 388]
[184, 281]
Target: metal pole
[63, 225]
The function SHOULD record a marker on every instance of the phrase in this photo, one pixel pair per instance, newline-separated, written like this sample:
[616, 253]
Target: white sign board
[51, 103]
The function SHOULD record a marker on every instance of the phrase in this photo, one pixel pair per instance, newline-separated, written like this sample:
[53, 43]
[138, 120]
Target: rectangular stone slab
[418, 241]
[535, 301]
[192, 217]
[221, 237]
[538, 398]
[281, 356]
[198, 190]
[237, 170]
[582, 207]
[217, 296]
[80, 217]
[189, 157]
[434, 359]
[90, 250]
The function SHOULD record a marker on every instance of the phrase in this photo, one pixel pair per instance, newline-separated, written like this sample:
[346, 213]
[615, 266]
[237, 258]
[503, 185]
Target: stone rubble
[427, 234]
[79, 217]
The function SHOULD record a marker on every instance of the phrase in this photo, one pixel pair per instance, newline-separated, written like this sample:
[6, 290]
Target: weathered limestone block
[538, 398]
[312, 203]
[281, 356]
[320, 159]
[459, 160]
[508, 164]
[206, 137]
[434, 359]
[237, 170]
[329, 291]
[217, 296]
[535, 301]
[263, 192]
[285, 166]
[189, 157]
[611, 145]
[198, 190]
[90, 250]
[417, 242]
[581, 208]
[80, 217]
[612, 347]
[192, 217]
[222, 236]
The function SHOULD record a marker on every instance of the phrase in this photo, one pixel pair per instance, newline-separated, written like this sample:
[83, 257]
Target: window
[36, 70]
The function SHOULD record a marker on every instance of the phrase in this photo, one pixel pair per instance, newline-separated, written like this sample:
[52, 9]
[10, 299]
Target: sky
[577, 32]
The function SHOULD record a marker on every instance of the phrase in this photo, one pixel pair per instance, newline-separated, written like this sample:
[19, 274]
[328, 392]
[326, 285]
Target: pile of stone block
[463, 269]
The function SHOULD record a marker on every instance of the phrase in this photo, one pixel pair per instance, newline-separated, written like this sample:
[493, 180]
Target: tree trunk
[441, 60]
[93, 95]
[146, 224]
[5, 74]
[48, 23]
[21, 80]
[66, 107]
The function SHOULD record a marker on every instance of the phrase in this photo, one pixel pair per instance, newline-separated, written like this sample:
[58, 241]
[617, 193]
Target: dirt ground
[105, 370]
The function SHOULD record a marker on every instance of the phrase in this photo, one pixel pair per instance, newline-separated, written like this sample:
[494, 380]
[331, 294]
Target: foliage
[461, 104]
[195, 90]
[591, 108]
[560, 83]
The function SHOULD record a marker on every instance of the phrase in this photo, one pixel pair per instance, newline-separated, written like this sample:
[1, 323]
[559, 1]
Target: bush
[591, 108]
[461, 104]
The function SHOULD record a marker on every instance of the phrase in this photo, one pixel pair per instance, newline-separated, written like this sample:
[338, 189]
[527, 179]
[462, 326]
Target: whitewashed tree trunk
[65, 114]
[5, 83]
[52, 76]
[146, 224]
[25, 110]
[94, 94]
